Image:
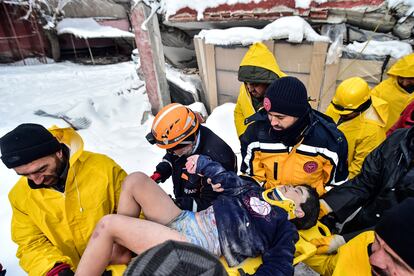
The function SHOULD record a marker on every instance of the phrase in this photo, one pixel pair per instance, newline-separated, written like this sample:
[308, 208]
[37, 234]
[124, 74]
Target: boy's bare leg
[140, 192]
[135, 234]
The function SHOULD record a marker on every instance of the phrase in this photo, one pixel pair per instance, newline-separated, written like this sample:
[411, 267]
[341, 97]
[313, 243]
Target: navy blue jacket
[317, 154]
[191, 191]
[247, 225]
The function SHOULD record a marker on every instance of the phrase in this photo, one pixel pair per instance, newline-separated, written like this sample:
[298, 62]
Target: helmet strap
[196, 142]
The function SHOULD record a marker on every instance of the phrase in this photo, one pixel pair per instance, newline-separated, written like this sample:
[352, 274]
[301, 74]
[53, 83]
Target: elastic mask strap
[286, 204]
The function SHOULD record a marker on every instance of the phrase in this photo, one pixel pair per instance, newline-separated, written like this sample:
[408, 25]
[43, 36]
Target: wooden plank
[270, 44]
[228, 84]
[317, 71]
[229, 58]
[211, 76]
[293, 57]
[329, 86]
[202, 66]
[370, 70]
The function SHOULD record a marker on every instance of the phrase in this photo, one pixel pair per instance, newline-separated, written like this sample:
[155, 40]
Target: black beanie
[175, 258]
[396, 229]
[26, 143]
[287, 96]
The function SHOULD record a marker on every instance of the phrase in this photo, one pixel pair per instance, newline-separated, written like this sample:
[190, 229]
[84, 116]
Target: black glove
[330, 221]
[164, 170]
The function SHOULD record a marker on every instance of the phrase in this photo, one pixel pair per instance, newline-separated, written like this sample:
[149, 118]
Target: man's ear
[59, 154]
[299, 212]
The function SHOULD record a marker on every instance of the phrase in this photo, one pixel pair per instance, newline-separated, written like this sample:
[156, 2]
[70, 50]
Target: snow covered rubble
[111, 96]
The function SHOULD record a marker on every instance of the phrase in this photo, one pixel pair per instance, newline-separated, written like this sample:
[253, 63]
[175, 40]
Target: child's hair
[311, 209]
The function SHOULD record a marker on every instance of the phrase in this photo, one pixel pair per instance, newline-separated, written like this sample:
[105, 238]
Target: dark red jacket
[406, 119]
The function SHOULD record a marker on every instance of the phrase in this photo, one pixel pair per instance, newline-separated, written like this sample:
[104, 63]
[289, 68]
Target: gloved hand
[328, 245]
[156, 176]
[164, 170]
[60, 269]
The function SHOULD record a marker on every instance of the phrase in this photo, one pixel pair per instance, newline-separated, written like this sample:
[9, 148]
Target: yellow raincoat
[390, 91]
[363, 133]
[260, 56]
[352, 258]
[49, 226]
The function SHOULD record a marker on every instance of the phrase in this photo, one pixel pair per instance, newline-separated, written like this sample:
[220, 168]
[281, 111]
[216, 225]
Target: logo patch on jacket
[261, 207]
[310, 166]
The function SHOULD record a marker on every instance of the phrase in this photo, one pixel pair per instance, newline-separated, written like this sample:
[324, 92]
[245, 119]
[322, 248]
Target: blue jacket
[247, 225]
[317, 153]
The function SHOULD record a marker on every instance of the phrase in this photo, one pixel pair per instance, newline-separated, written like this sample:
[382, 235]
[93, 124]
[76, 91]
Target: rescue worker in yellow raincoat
[387, 251]
[257, 70]
[362, 119]
[397, 89]
[63, 192]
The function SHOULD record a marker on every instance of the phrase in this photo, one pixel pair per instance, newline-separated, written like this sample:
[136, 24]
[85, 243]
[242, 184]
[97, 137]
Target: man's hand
[162, 172]
[328, 245]
[216, 187]
[191, 164]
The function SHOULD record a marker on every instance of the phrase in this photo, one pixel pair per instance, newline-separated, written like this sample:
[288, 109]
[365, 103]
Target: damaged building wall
[91, 8]
[219, 65]
[363, 20]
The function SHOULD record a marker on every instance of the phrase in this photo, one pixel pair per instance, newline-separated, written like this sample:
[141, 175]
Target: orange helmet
[172, 125]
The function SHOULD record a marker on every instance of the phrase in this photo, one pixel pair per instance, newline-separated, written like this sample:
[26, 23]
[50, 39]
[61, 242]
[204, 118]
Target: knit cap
[175, 258]
[26, 143]
[396, 229]
[287, 96]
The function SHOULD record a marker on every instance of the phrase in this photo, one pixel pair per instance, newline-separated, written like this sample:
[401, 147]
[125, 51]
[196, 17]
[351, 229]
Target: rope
[354, 60]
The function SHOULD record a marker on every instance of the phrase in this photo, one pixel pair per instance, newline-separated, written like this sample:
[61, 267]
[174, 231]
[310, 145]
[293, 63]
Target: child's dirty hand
[191, 164]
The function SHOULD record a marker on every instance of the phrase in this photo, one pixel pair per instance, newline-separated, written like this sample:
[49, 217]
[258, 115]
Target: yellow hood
[70, 138]
[259, 55]
[404, 67]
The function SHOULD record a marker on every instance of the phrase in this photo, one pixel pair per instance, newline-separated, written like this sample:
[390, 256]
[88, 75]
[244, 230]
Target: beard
[408, 88]
[53, 178]
[292, 135]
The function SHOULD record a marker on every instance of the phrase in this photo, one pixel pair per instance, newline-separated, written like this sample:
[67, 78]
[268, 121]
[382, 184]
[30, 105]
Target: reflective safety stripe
[269, 147]
[165, 114]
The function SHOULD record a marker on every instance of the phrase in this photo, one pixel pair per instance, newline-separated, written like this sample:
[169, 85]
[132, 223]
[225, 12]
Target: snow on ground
[294, 28]
[111, 96]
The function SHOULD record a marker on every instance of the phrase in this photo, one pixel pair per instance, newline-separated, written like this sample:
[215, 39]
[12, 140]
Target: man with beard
[257, 70]
[290, 143]
[63, 192]
[178, 129]
[398, 89]
[385, 251]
